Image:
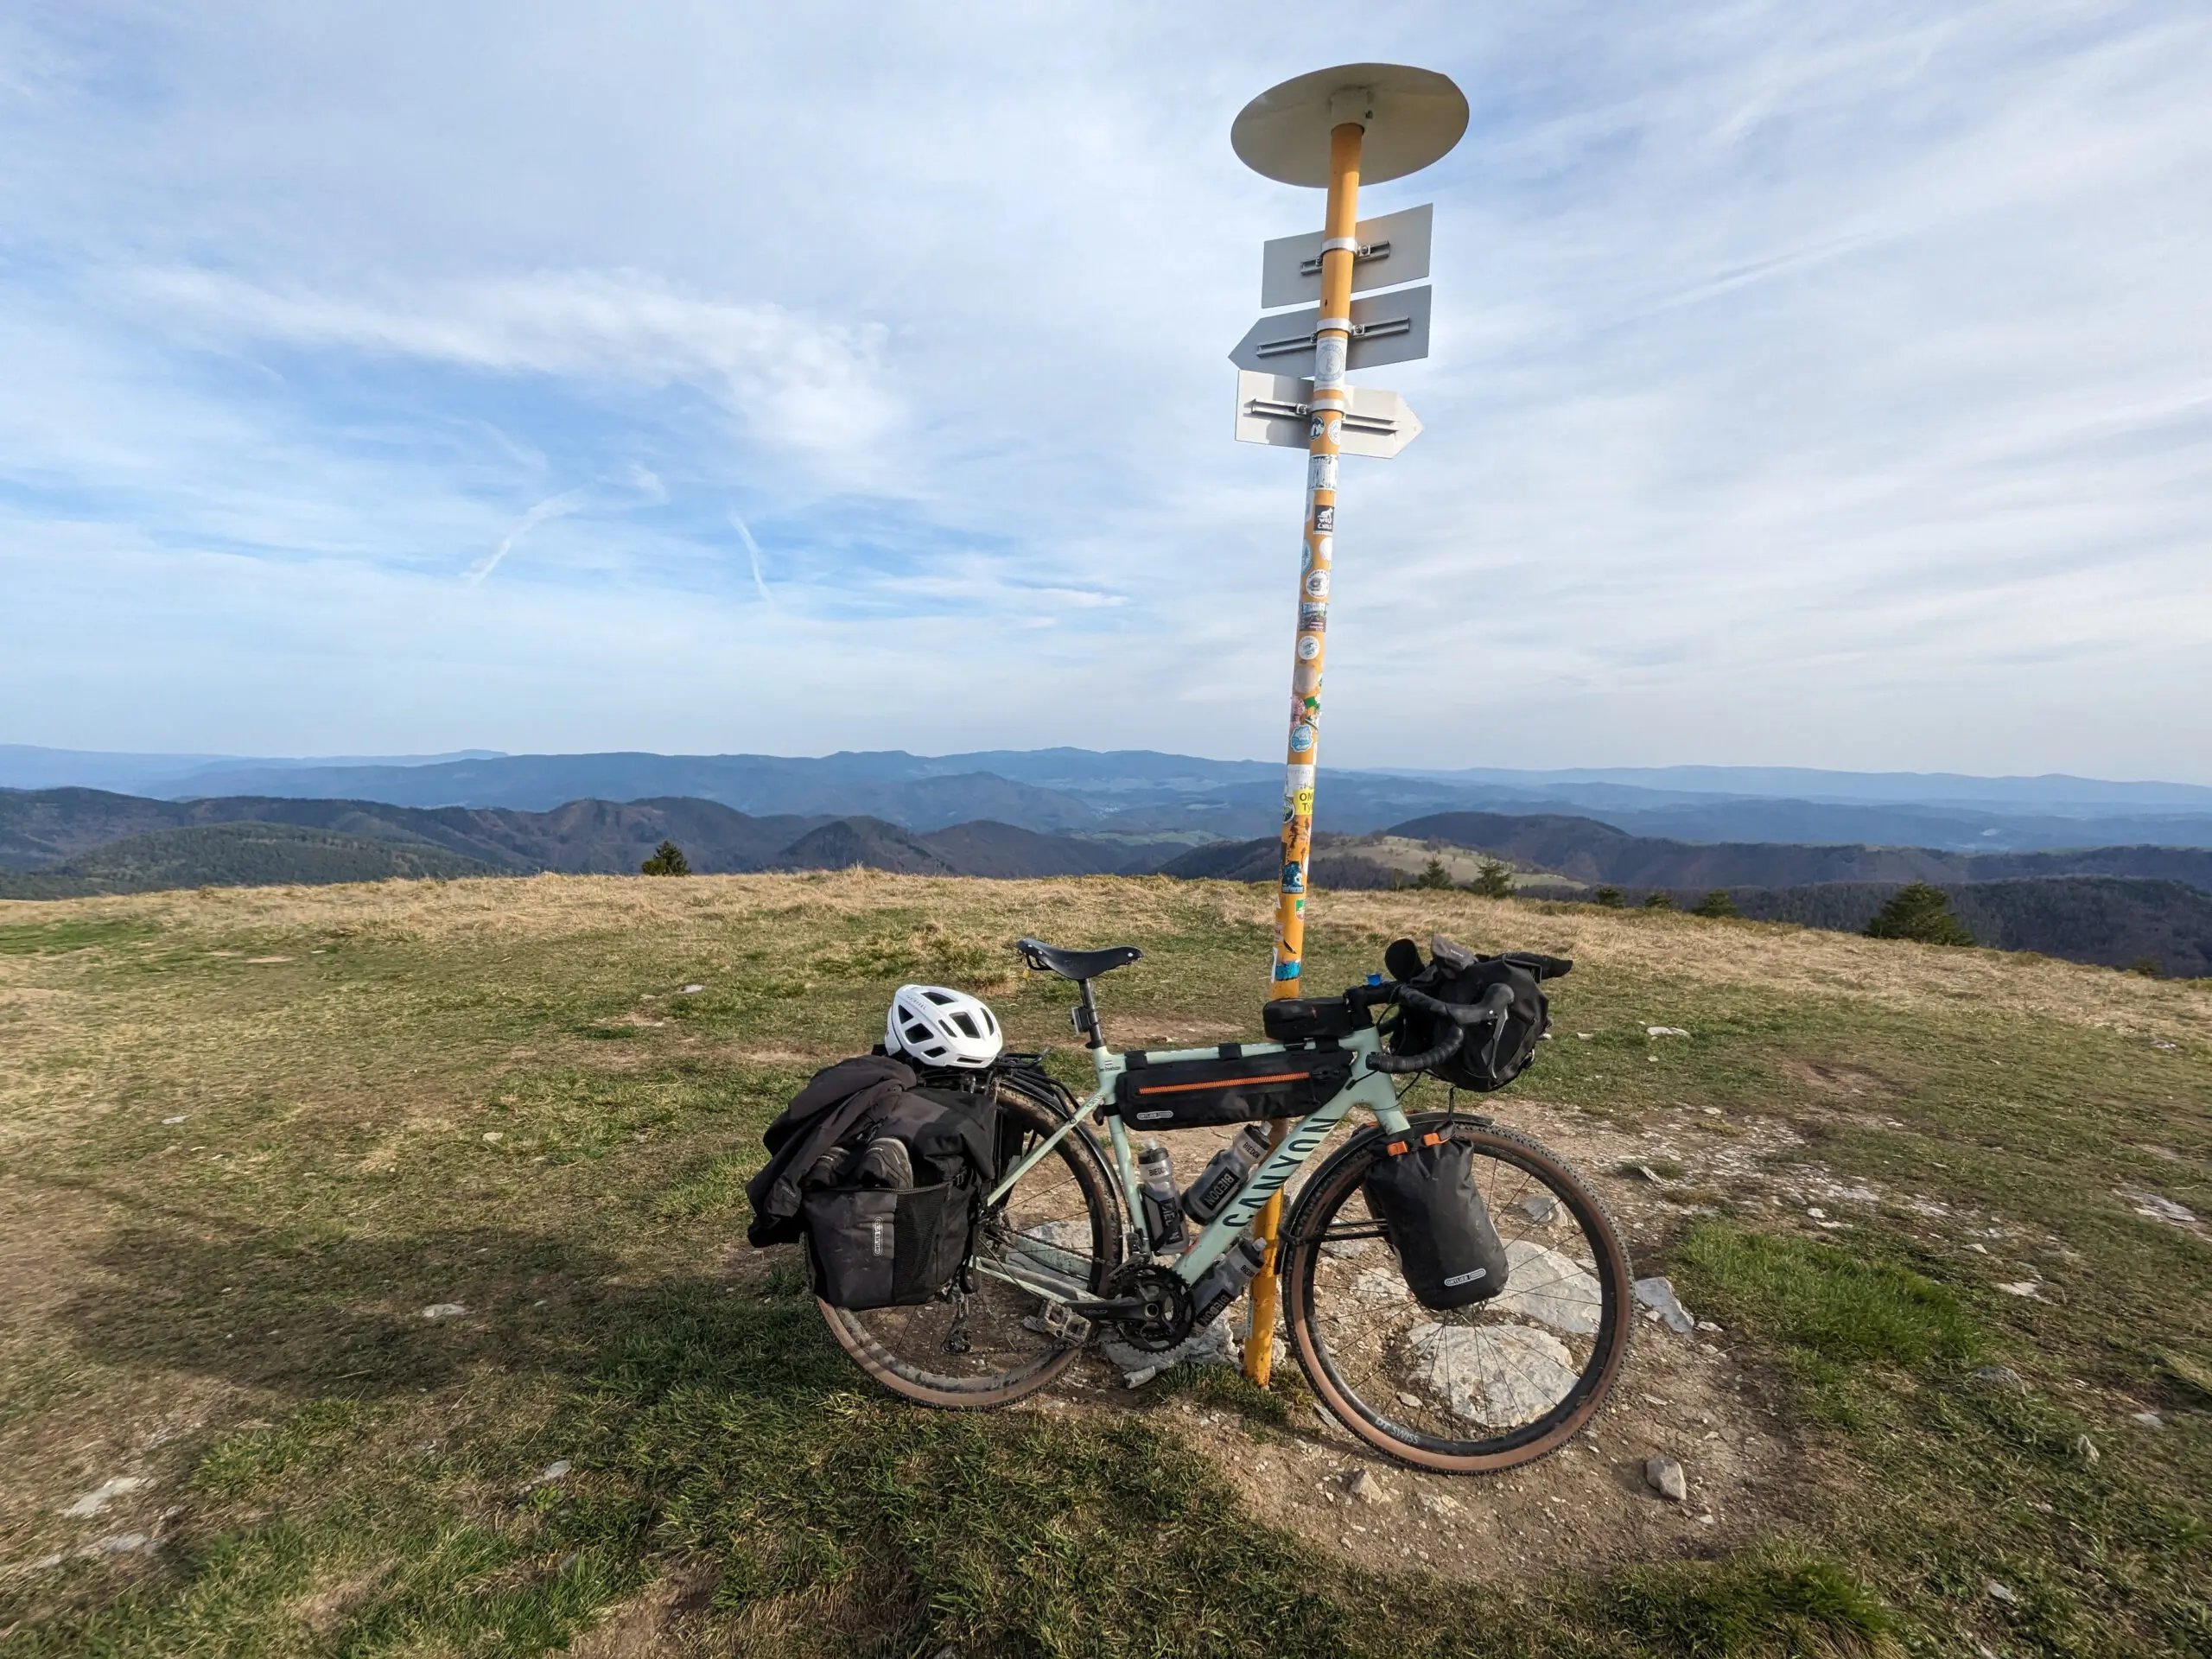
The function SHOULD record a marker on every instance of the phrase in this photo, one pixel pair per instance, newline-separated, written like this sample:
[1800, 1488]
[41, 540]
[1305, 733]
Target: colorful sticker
[1301, 738]
[1293, 878]
[1285, 970]
[1300, 802]
[1313, 619]
[1316, 584]
[1308, 646]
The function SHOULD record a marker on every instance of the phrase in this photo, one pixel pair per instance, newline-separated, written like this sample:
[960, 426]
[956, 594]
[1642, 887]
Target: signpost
[1323, 129]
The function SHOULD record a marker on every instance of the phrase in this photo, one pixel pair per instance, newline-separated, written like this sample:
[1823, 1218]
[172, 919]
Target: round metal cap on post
[1329, 129]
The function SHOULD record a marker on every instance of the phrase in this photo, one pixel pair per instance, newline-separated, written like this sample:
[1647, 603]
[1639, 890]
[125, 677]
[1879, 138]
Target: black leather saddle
[1076, 964]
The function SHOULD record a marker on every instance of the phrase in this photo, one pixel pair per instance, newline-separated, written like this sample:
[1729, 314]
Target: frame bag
[1424, 1195]
[873, 1245]
[1229, 1087]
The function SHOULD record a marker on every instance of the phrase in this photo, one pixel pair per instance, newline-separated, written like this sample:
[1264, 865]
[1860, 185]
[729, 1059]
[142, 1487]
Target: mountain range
[1143, 795]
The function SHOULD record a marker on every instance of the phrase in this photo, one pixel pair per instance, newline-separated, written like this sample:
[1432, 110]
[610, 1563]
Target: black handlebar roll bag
[1423, 1192]
[890, 1246]
[1490, 1057]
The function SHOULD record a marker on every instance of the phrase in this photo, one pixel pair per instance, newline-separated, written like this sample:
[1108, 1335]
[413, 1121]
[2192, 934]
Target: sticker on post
[1316, 584]
[1301, 738]
[1309, 647]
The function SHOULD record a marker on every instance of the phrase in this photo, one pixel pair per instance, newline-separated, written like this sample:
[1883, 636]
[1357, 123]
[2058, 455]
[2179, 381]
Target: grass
[498, 1095]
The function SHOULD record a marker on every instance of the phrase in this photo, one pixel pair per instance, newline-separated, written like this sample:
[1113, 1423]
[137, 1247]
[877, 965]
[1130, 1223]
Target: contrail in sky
[552, 507]
[753, 551]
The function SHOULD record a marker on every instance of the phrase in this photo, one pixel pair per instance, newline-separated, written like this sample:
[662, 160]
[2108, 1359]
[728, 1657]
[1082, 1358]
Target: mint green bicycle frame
[1367, 1087]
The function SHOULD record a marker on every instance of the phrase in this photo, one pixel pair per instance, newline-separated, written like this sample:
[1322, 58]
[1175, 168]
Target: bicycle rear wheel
[1475, 1390]
[988, 1346]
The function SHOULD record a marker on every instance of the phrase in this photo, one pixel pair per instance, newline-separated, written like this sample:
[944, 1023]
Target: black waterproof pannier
[873, 1245]
[1228, 1087]
[1423, 1192]
[1492, 1055]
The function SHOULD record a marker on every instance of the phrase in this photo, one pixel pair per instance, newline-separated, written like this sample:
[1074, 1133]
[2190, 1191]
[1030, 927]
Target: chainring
[1165, 1320]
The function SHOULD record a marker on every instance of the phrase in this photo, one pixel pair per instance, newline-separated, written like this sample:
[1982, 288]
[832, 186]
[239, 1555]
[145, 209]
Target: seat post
[1091, 1016]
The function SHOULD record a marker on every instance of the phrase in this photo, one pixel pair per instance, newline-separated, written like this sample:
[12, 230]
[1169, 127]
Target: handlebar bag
[1424, 1195]
[893, 1246]
[1480, 1062]
[1231, 1087]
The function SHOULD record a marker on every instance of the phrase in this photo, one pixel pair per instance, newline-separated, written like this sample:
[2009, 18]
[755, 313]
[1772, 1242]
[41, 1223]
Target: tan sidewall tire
[1298, 1307]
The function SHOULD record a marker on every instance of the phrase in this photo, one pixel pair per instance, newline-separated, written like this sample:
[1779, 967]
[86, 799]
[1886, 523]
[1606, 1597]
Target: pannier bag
[1229, 1087]
[876, 1240]
[887, 1247]
[1424, 1195]
[1489, 1057]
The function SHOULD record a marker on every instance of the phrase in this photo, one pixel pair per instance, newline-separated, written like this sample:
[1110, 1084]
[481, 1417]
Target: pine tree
[667, 859]
[1606, 898]
[1435, 875]
[1718, 906]
[1918, 911]
[1494, 880]
[1660, 899]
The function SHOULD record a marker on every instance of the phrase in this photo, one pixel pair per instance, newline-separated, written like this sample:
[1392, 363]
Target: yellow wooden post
[1331, 336]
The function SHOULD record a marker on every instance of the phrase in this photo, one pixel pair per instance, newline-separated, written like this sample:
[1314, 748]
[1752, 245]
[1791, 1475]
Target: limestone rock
[1495, 1374]
[1658, 1294]
[1664, 1476]
[1552, 1289]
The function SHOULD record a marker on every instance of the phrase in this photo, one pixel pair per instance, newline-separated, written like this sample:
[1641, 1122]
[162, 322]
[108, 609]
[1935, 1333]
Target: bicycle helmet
[941, 1027]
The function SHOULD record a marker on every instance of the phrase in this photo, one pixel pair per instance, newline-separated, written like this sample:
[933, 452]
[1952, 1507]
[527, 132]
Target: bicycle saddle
[1076, 964]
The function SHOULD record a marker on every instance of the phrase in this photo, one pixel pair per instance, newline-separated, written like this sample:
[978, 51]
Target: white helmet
[941, 1027]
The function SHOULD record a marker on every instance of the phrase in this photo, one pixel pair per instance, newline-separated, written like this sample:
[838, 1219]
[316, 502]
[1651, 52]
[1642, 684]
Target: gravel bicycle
[1074, 1243]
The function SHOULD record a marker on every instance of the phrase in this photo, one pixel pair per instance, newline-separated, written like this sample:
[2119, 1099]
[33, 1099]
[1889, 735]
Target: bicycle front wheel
[987, 1344]
[1474, 1390]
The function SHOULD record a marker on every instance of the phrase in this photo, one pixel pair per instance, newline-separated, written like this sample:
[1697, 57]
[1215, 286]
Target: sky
[1811, 385]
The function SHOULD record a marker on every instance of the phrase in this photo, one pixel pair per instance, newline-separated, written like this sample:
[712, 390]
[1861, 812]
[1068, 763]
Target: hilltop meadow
[372, 1282]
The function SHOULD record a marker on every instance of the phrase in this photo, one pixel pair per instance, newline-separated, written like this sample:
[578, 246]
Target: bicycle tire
[1308, 1283]
[874, 1338]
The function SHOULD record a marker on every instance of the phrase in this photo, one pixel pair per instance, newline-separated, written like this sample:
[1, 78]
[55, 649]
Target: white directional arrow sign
[1278, 409]
[1393, 249]
[1388, 328]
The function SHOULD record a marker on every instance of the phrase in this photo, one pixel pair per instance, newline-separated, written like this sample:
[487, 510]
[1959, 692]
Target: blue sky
[1815, 385]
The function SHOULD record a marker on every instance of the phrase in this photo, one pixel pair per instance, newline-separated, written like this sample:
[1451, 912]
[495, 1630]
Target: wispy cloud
[1810, 384]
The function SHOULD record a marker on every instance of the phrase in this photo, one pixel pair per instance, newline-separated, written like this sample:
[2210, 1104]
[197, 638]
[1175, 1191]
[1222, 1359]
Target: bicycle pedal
[1063, 1325]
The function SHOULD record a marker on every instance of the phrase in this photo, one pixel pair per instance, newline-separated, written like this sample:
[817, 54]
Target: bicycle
[1067, 1249]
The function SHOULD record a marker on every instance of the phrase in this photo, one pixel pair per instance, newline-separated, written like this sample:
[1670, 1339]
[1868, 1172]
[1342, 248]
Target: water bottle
[1163, 1216]
[1219, 1182]
[1226, 1278]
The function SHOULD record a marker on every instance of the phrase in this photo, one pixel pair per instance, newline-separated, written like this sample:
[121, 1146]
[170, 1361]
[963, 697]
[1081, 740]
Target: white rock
[493, 1134]
[106, 1492]
[1664, 1031]
[693, 990]
[1495, 1374]
[178, 1118]
[1658, 1294]
[1664, 1476]
[1552, 1289]
[1368, 1490]
[2026, 1287]
[1541, 1208]
[2146, 1419]
[557, 1470]
[2150, 1204]
[1381, 1285]
[444, 1310]
[2000, 1593]
[2086, 1447]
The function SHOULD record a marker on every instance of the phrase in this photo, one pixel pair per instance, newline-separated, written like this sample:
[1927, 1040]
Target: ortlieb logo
[878, 1236]
[1468, 1278]
[1147, 1118]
